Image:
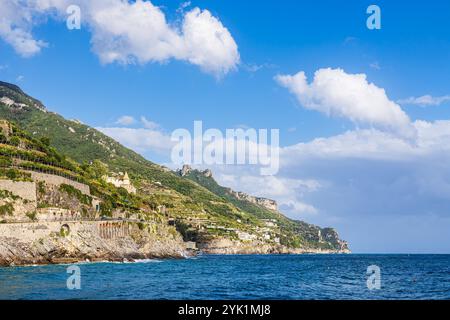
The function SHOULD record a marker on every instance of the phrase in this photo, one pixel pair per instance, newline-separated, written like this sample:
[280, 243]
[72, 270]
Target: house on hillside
[121, 180]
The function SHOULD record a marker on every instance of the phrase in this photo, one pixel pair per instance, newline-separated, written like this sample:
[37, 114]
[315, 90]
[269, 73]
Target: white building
[121, 180]
[245, 236]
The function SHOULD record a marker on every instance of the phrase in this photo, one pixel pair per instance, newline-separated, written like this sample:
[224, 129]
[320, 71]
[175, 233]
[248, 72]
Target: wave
[144, 261]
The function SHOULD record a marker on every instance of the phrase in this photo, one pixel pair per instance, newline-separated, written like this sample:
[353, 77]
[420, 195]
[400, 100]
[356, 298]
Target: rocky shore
[42, 243]
[46, 243]
[228, 246]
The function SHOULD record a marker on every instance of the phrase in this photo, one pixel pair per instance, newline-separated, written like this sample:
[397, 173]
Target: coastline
[137, 257]
[40, 243]
[68, 242]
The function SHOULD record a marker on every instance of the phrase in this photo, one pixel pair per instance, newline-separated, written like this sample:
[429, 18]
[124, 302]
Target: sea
[242, 277]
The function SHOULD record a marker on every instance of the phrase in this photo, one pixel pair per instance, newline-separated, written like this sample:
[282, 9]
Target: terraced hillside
[201, 209]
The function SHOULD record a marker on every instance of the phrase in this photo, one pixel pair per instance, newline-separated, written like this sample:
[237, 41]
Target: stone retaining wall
[57, 181]
[24, 189]
[26, 232]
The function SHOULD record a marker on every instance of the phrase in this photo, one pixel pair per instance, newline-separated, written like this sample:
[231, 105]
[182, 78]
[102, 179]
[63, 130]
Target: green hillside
[183, 198]
[297, 232]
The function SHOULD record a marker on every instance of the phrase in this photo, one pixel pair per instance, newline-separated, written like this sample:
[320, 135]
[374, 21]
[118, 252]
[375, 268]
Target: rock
[263, 202]
[21, 244]
[185, 170]
[207, 173]
[228, 246]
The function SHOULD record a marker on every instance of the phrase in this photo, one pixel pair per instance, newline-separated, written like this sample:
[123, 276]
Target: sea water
[238, 277]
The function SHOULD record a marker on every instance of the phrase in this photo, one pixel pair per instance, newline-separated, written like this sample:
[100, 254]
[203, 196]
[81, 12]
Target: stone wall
[25, 190]
[57, 214]
[57, 181]
[73, 241]
[34, 231]
[25, 232]
[113, 230]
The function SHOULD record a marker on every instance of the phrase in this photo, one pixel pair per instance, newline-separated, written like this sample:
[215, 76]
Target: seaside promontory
[70, 193]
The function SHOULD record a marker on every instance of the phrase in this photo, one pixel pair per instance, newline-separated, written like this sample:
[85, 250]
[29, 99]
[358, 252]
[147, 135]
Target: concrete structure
[113, 230]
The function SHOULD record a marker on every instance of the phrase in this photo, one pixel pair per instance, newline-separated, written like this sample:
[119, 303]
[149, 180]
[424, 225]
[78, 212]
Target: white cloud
[297, 209]
[149, 124]
[16, 22]
[208, 43]
[361, 181]
[358, 181]
[149, 139]
[125, 120]
[288, 192]
[128, 32]
[368, 171]
[336, 93]
[425, 100]
[140, 140]
[373, 145]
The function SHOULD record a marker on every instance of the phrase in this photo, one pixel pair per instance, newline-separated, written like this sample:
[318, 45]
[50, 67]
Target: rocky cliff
[275, 233]
[44, 242]
[190, 201]
[269, 204]
[263, 202]
[54, 222]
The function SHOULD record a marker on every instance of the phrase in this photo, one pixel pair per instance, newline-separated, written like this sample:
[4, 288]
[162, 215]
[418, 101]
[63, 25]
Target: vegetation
[4, 194]
[94, 155]
[6, 209]
[32, 215]
[72, 191]
[14, 174]
[64, 231]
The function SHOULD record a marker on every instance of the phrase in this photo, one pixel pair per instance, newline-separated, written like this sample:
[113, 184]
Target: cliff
[187, 171]
[53, 210]
[190, 202]
[272, 233]
[263, 202]
[45, 242]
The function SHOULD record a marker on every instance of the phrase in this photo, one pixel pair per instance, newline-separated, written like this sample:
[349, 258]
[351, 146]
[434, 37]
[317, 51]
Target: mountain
[266, 209]
[54, 210]
[217, 218]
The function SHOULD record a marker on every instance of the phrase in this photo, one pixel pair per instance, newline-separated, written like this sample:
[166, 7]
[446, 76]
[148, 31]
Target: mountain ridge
[188, 199]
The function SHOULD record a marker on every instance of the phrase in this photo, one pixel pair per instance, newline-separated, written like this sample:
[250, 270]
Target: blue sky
[396, 199]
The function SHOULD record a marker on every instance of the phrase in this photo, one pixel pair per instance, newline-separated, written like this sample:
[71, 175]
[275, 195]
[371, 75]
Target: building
[245, 236]
[121, 180]
[271, 223]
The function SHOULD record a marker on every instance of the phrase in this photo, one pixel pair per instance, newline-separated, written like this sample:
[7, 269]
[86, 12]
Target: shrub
[31, 215]
[6, 209]
[72, 191]
[45, 141]
[15, 141]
